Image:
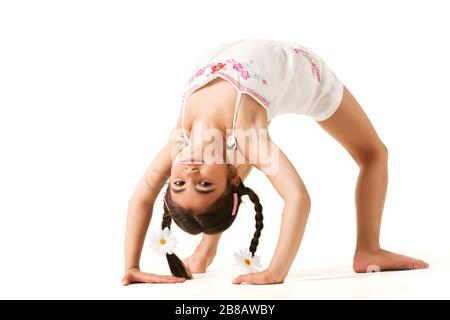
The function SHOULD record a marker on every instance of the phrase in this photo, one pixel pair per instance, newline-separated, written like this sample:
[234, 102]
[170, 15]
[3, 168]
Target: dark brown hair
[217, 218]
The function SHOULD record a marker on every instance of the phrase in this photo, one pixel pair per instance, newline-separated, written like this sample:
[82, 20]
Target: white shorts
[282, 76]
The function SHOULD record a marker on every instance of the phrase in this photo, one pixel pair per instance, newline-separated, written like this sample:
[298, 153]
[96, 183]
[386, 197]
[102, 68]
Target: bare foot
[383, 260]
[197, 263]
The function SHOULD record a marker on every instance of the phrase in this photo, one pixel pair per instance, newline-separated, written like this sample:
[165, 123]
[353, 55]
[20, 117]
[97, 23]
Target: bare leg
[350, 126]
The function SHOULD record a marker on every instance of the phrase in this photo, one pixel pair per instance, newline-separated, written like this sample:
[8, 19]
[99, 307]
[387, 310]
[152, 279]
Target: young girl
[242, 85]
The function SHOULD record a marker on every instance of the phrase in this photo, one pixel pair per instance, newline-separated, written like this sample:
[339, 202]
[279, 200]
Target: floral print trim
[246, 89]
[245, 69]
[314, 66]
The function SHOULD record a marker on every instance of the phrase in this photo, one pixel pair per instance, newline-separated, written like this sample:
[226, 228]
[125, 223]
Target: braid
[258, 218]
[167, 218]
[176, 266]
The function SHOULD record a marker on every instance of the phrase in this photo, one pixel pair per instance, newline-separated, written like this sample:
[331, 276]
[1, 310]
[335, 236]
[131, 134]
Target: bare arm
[295, 213]
[140, 208]
[287, 182]
[141, 203]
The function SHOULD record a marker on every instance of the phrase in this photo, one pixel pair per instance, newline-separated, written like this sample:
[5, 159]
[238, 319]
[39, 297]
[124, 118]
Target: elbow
[300, 197]
[300, 194]
[304, 199]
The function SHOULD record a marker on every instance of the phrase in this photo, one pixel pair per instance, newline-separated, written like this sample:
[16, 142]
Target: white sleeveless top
[282, 76]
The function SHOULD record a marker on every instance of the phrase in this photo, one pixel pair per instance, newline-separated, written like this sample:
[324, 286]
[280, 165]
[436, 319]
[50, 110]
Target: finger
[243, 278]
[142, 277]
[169, 280]
[161, 279]
[170, 277]
[174, 278]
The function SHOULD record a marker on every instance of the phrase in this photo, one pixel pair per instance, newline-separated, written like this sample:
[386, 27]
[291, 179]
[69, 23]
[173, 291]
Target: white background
[90, 89]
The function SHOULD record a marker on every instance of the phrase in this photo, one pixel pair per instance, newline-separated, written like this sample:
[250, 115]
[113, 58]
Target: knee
[378, 152]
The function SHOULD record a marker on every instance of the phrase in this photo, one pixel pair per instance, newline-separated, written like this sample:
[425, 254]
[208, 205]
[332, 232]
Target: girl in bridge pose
[243, 85]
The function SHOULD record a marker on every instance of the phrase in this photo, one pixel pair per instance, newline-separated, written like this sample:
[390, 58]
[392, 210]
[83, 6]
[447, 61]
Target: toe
[424, 264]
[419, 264]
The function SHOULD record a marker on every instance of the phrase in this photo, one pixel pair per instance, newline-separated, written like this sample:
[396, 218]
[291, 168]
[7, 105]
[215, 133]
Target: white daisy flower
[246, 262]
[163, 241]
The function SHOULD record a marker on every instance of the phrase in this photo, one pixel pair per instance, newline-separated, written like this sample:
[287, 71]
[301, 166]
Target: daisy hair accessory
[163, 241]
[246, 262]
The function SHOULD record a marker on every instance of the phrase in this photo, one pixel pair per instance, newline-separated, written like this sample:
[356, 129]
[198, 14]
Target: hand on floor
[263, 277]
[136, 276]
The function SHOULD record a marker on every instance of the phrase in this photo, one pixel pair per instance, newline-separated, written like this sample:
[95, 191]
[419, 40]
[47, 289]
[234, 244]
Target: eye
[179, 183]
[205, 183]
